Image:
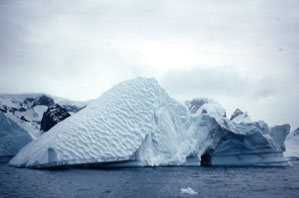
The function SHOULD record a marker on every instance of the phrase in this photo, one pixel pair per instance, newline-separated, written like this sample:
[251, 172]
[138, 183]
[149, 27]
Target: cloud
[244, 54]
[216, 82]
[269, 98]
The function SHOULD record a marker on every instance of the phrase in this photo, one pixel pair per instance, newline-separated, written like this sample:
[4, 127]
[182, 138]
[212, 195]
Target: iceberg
[239, 116]
[205, 105]
[292, 145]
[136, 123]
[247, 144]
[12, 137]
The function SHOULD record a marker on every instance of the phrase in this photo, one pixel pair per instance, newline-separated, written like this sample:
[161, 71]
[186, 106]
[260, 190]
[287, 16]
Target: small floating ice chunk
[188, 190]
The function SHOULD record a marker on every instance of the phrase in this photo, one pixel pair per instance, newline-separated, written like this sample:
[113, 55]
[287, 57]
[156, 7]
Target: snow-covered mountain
[136, 123]
[27, 109]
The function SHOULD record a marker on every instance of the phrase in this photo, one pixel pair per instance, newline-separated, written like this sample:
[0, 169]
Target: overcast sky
[242, 53]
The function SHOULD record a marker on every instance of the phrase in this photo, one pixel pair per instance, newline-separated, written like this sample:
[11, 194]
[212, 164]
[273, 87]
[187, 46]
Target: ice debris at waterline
[136, 123]
[189, 191]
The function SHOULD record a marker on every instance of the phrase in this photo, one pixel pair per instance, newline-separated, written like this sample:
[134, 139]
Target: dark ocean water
[150, 182]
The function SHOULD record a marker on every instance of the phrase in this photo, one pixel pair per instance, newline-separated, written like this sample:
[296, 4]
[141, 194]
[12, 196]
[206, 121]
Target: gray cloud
[244, 54]
[270, 98]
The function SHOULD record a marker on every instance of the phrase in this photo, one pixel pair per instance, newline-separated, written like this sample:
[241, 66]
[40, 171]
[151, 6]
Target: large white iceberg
[136, 123]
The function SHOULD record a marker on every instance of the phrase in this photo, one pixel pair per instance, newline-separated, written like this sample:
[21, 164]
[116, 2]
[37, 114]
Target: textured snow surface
[136, 123]
[111, 128]
[12, 136]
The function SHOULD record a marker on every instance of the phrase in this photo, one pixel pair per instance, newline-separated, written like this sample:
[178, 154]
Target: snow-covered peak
[205, 105]
[27, 109]
[240, 117]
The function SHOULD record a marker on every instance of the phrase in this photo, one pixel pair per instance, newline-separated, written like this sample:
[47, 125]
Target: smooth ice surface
[292, 145]
[12, 136]
[136, 123]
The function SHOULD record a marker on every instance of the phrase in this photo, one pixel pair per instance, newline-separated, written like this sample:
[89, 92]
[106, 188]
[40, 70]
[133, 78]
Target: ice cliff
[136, 123]
[12, 136]
[292, 145]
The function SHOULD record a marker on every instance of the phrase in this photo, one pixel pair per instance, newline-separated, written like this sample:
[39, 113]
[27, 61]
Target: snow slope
[12, 136]
[27, 109]
[136, 123]
[111, 128]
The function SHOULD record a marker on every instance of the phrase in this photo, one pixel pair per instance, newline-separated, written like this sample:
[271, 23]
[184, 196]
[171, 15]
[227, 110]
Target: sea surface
[151, 182]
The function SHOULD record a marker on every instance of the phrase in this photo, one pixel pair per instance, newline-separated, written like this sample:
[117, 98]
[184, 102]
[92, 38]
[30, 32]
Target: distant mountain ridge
[27, 109]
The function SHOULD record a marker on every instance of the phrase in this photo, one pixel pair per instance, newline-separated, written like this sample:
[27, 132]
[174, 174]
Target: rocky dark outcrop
[3, 108]
[54, 114]
[24, 119]
[13, 110]
[43, 100]
[27, 100]
[22, 109]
